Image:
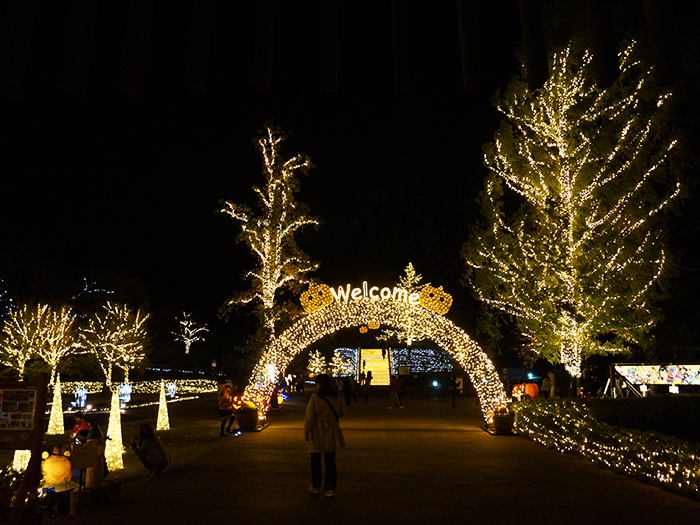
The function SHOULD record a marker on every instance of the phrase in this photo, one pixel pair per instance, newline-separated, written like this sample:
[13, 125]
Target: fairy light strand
[576, 265]
[442, 331]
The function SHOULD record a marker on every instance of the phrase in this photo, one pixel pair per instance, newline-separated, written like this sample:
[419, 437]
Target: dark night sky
[123, 190]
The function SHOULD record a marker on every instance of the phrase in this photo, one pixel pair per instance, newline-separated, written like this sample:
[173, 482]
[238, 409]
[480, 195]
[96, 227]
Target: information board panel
[660, 374]
[19, 414]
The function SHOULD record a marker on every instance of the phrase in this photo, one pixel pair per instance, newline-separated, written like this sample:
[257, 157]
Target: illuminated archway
[336, 316]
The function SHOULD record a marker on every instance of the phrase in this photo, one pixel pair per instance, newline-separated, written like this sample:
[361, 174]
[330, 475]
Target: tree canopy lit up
[281, 264]
[571, 247]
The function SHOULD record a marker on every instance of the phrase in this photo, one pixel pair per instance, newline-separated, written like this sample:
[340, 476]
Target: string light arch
[313, 326]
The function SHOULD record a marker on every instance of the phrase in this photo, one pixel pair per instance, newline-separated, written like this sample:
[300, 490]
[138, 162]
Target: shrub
[572, 427]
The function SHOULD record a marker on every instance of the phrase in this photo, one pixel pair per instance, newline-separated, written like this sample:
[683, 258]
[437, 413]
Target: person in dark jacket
[150, 450]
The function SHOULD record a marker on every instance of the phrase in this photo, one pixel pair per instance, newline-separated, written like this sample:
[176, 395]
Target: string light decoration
[411, 282]
[189, 331]
[56, 425]
[116, 337]
[421, 360]
[20, 460]
[341, 365]
[317, 363]
[318, 296]
[60, 337]
[183, 386]
[579, 264]
[24, 332]
[442, 331]
[270, 235]
[163, 422]
[114, 446]
[570, 427]
[90, 387]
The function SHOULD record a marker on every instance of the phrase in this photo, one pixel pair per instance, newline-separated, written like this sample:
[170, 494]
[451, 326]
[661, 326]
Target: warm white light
[270, 235]
[163, 422]
[439, 329]
[576, 265]
[114, 446]
[189, 331]
[116, 337]
[56, 425]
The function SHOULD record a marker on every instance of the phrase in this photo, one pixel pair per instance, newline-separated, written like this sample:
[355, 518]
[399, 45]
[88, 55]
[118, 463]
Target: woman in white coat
[323, 434]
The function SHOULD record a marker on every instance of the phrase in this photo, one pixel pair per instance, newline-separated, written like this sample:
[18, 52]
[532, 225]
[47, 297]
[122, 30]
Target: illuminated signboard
[660, 374]
[318, 296]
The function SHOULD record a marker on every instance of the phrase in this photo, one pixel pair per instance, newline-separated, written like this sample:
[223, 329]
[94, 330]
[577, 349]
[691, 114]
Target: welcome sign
[319, 296]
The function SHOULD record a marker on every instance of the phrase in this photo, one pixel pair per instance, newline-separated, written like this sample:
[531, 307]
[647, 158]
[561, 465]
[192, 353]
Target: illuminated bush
[571, 427]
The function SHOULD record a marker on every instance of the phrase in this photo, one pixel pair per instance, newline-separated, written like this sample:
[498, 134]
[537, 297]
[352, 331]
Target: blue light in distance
[436, 384]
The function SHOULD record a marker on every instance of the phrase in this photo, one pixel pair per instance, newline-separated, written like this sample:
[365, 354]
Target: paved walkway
[429, 463]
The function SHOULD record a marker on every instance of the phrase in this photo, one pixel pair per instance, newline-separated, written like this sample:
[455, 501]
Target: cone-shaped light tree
[571, 247]
[114, 446]
[269, 234]
[56, 424]
[163, 421]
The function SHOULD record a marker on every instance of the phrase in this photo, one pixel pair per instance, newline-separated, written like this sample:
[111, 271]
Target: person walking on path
[226, 409]
[394, 389]
[323, 434]
[347, 390]
[368, 384]
[452, 387]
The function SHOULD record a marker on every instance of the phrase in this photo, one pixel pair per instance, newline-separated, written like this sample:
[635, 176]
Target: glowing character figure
[435, 299]
[316, 298]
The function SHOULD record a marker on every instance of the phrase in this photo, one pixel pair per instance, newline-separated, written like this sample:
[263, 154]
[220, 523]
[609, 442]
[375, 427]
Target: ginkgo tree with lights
[571, 248]
[270, 235]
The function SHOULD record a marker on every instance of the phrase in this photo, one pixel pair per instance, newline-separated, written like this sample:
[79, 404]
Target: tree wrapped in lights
[24, 333]
[60, 338]
[409, 281]
[579, 263]
[341, 365]
[270, 235]
[317, 363]
[116, 337]
[189, 331]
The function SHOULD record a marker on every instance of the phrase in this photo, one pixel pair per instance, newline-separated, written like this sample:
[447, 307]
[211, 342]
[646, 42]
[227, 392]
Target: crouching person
[150, 450]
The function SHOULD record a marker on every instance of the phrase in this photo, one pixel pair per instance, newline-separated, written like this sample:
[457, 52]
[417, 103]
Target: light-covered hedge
[184, 386]
[569, 426]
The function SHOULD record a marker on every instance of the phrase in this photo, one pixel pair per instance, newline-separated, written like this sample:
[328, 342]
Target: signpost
[22, 415]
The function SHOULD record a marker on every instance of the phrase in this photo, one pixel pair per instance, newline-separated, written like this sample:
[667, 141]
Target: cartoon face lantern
[316, 298]
[56, 468]
[435, 299]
